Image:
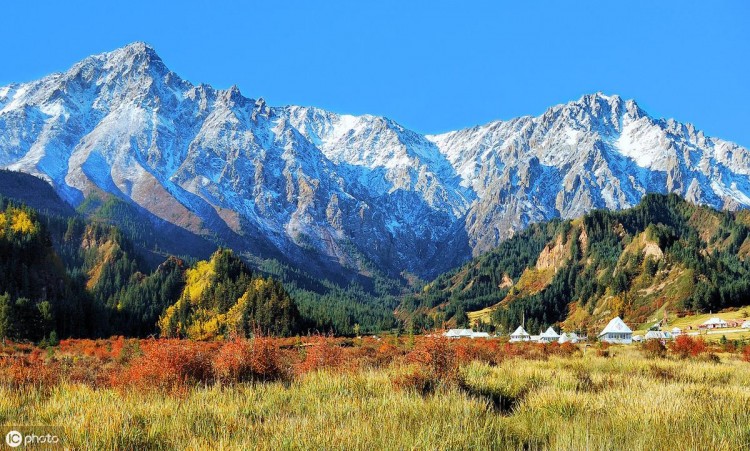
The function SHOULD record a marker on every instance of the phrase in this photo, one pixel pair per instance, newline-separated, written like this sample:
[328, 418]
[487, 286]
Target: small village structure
[616, 332]
[465, 333]
[520, 335]
[714, 323]
[549, 336]
[746, 324]
[658, 335]
[568, 337]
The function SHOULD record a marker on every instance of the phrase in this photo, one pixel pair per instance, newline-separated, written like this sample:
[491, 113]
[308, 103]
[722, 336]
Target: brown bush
[653, 349]
[417, 380]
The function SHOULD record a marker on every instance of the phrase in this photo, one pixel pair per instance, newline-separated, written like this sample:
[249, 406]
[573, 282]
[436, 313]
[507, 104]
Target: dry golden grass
[537, 401]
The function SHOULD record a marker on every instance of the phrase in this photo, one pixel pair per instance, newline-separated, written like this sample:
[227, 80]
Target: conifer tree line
[68, 277]
[705, 266]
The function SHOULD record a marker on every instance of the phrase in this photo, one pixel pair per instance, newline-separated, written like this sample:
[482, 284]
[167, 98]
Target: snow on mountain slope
[597, 152]
[339, 191]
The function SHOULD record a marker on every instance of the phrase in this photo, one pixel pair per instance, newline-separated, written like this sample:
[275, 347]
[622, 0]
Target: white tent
[549, 335]
[658, 335]
[568, 337]
[616, 332]
[465, 333]
[746, 324]
[520, 335]
[676, 331]
[459, 333]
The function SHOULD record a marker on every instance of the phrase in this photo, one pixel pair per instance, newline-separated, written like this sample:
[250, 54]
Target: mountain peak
[136, 54]
[600, 98]
[136, 48]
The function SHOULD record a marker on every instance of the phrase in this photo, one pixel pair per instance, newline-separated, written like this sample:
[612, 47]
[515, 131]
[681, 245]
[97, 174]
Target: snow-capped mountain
[301, 182]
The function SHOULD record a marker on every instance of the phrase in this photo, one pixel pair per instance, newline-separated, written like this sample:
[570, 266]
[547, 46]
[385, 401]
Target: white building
[520, 335]
[746, 324]
[616, 332]
[676, 331]
[459, 333]
[713, 323]
[465, 333]
[658, 335]
[549, 335]
[568, 337]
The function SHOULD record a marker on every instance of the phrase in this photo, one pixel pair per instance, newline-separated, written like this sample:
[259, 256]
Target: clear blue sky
[433, 66]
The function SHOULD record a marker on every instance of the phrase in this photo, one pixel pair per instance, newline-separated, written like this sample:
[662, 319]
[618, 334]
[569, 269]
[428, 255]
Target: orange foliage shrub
[265, 360]
[321, 353]
[232, 362]
[31, 370]
[243, 360]
[171, 365]
[437, 355]
[746, 354]
[686, 346]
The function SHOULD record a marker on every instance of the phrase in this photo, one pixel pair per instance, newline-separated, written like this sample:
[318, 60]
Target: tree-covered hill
[69, 277]
[664, 253]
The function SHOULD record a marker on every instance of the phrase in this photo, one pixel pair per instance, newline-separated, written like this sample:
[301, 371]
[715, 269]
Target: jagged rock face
[598, 152]
[297, 181]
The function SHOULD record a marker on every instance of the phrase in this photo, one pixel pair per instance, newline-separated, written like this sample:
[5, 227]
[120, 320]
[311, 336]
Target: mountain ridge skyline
[123, 123]
[522, 110]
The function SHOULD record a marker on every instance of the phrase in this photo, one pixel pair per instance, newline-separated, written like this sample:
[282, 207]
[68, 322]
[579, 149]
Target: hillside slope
[665, 253]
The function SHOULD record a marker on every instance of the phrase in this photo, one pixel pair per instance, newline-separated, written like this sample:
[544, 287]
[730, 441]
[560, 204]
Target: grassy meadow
[389, 394]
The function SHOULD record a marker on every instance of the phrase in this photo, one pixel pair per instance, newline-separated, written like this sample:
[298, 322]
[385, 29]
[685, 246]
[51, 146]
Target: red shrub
[321, 353]
[686, 346]
[746, 354]
[567, 349]
[438, 356]
[243, 360]
[232, 362]
[386, 354]
[31, 370]
[265, 359]
[171, 365]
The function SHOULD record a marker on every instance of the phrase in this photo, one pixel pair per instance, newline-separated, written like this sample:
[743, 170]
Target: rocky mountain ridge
[328, 191]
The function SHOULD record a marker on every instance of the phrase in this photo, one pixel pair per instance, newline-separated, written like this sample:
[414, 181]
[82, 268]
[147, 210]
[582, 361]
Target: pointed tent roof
[459, 333]
[616, 325]
[549, 333]
[566, 337]
[520, 331]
